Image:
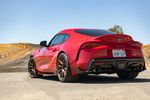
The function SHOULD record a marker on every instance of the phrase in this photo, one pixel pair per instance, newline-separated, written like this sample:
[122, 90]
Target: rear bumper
[115, 65]
[97, 66]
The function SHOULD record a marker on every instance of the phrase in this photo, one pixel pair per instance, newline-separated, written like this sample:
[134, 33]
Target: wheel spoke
[32, 72]
[60, 66]
[30, 67]
[60, 62]
[59, 71]
[30, 63]
[62, 73]
[65, 69]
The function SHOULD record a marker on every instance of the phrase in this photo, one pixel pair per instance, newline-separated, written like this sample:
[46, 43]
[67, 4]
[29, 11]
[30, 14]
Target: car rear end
[110, 53]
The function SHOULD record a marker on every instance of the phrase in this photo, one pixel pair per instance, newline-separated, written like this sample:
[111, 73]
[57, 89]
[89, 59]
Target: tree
[117, 29]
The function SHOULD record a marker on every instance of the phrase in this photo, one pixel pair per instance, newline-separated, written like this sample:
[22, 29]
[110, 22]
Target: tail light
[91, 45]
[136, 44]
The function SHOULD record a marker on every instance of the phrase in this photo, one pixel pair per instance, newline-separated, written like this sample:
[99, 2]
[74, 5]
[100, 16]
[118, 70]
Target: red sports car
[74, 52]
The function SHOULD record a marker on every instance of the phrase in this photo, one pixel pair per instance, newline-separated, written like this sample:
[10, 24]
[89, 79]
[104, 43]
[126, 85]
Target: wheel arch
[60, 53]
[31, 56]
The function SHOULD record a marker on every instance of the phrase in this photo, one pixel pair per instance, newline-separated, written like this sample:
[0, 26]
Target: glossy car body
[90, 51]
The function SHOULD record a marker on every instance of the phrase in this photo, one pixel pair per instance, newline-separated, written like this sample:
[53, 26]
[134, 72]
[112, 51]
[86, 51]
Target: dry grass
[146, 50]
[10, 52]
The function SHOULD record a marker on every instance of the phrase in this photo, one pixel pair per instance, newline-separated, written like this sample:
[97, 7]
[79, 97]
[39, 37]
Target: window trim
[58, 43]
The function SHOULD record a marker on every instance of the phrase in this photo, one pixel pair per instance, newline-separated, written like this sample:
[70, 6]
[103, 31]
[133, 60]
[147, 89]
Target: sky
[32, 21]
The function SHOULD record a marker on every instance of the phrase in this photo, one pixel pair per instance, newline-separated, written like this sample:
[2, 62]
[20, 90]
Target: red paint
[80, 49]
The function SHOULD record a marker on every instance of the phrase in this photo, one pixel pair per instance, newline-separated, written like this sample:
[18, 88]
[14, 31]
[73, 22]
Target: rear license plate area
[118, 53]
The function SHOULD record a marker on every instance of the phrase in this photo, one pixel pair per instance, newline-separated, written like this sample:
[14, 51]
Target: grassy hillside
[9, 52]
[146, 50]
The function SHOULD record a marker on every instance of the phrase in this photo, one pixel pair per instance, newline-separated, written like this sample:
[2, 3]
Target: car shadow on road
[94, 79]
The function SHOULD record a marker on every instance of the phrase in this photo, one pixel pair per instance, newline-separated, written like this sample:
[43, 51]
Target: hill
[146, 50]
[10, 52]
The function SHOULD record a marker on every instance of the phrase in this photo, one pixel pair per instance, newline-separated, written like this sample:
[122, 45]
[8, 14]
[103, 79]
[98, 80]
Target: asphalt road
[15, 85]
[18, 86]
[17, 65]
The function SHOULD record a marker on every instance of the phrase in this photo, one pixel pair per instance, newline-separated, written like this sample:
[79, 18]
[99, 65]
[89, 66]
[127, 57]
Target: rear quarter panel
[71, 48]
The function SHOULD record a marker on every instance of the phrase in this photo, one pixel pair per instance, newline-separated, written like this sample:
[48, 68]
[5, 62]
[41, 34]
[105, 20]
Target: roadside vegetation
[146, 51]
[10, 52]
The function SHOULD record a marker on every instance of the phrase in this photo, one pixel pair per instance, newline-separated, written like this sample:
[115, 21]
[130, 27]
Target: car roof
[83, 31]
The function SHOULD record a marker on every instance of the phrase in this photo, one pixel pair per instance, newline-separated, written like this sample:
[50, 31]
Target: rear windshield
[93, 32]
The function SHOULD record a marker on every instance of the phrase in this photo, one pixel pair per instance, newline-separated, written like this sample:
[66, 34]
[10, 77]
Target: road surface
[16, 85]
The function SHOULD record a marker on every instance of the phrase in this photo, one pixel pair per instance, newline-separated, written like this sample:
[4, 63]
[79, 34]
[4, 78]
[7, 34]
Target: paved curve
[17, 85]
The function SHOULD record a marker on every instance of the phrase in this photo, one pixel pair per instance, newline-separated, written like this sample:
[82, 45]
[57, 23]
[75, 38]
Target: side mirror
[43, 43]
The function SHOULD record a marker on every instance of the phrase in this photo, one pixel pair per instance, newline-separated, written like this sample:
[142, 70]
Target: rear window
[93, 32]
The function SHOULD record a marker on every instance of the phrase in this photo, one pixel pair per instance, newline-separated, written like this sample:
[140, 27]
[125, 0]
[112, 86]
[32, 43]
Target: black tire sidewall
[127, 75]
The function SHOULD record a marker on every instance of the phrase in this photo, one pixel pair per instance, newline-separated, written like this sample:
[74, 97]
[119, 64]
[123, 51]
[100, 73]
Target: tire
[127, 75]
[32, 69]
[63, 69]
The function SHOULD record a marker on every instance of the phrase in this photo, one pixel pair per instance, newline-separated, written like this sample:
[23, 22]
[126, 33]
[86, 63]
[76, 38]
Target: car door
[51, 51]
[38, 58]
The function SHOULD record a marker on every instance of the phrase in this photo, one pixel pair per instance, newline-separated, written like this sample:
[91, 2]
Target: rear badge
[119, 39]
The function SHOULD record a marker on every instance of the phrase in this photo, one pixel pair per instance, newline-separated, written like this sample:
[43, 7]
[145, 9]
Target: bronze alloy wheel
[62, 65]
[63, 69]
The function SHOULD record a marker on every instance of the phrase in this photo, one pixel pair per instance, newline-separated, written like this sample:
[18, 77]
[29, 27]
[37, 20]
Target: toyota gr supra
[75, 52]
